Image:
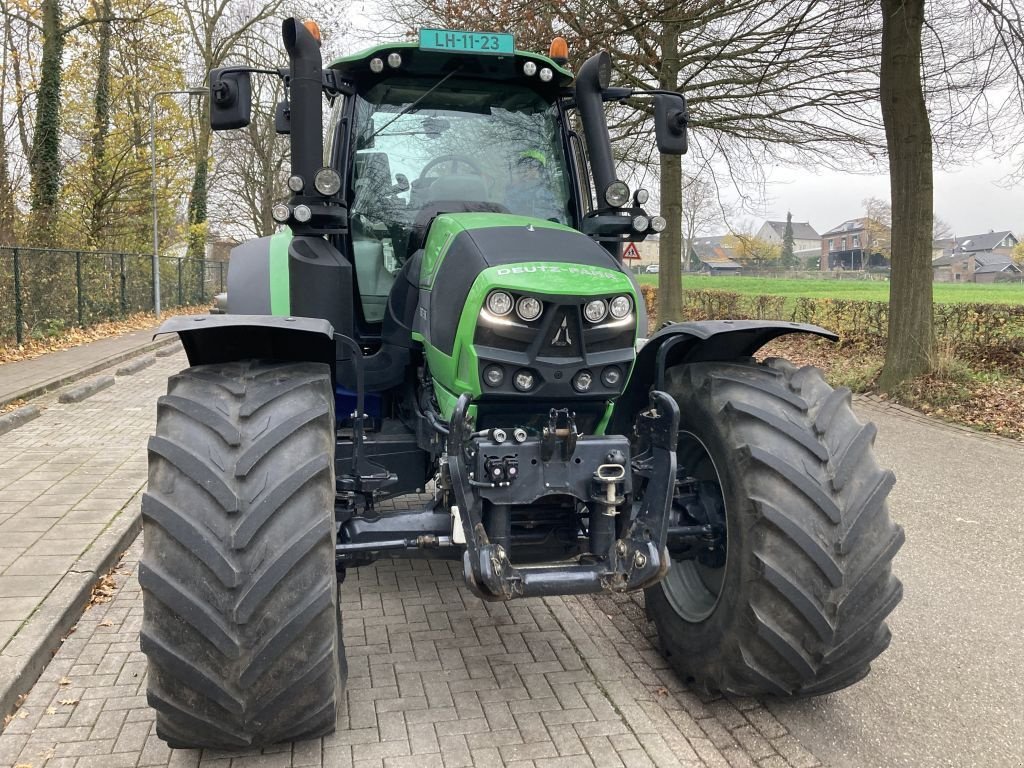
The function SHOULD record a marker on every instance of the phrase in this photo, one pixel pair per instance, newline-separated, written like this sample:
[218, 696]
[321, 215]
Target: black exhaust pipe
[307, 103]
[593, 77]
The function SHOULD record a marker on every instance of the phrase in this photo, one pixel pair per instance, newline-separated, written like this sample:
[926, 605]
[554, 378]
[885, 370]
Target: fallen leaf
[65, 681]
[106, 623]
[68, 702]
[51, 710]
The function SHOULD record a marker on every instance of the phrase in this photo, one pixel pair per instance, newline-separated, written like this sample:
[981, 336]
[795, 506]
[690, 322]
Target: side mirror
[230, 99]
[670, 119]
[283, 117]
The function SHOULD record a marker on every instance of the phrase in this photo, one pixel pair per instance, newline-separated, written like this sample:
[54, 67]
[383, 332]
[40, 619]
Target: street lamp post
[156, 219]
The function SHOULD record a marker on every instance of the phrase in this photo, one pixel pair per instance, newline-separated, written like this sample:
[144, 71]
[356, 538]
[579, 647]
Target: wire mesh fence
[45, 291]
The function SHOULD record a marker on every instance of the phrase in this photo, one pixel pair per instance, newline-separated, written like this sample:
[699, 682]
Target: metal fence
[44, 291]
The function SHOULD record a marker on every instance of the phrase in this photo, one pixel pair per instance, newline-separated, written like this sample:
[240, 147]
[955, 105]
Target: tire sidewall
[700, 643]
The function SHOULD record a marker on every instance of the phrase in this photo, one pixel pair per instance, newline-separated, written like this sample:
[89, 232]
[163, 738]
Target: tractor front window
[465, 141]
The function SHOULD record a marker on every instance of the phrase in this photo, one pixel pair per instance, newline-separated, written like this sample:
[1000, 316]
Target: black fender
[227, 338]
[696, 342]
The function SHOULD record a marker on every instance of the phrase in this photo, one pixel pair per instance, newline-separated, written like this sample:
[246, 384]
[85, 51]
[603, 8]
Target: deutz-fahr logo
[562, 337]
[526, 269]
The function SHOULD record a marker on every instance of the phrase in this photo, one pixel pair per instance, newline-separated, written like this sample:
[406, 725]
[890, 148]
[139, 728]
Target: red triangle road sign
[631, 253]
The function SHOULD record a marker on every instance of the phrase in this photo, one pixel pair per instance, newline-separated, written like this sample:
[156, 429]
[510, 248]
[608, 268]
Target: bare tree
[766, 82]
[701, 209]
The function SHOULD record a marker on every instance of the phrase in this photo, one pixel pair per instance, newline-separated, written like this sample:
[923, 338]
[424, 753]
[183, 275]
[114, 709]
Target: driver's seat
[469, 188]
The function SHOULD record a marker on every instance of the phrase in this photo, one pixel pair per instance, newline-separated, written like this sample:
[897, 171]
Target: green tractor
[445, 316]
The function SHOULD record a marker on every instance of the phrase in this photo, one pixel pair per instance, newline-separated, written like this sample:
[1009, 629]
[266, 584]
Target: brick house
[975, 258]
[852, 246]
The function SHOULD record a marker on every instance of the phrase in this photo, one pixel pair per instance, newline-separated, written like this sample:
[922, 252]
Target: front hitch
[594, 469]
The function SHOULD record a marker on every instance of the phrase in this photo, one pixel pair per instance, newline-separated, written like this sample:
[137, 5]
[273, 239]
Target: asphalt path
[950, 689]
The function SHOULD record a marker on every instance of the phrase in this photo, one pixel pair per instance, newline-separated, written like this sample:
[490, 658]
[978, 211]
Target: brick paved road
[436, 678]
[63, 479]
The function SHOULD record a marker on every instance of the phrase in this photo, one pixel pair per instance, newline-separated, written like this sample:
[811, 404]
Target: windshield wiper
[412, 106]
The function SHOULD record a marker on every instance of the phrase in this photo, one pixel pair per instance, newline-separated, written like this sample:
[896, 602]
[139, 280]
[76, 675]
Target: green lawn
[863, 290]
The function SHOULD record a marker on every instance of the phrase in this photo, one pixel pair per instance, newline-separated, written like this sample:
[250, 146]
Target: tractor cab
[441, 131]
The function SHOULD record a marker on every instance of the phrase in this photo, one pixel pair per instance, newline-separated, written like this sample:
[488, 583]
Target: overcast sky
[971, 199]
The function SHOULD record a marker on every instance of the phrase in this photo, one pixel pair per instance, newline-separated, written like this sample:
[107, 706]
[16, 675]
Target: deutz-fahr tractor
[444, 315]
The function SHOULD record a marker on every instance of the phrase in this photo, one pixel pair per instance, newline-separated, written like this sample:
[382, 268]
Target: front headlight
[617, 194]
[595, 310]
[620, 307]
[499, 303]
[528, 308]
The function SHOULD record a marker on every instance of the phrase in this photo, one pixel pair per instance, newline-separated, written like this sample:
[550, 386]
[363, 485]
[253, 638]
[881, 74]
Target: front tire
[240, 601]
[796, 604]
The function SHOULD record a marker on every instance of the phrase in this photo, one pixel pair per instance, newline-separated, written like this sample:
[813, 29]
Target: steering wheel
[454, 159]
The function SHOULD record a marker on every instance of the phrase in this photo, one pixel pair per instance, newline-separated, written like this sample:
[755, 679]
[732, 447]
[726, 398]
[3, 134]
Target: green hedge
[967, 328]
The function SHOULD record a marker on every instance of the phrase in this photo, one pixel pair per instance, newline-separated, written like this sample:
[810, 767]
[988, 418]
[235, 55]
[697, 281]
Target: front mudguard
[209, 339]
[696, 342]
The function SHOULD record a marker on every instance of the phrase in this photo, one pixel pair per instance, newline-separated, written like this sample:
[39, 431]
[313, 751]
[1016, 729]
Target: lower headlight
[620, 307]
[523, 380]
[494, 375]
[611, 376]
[581, 381]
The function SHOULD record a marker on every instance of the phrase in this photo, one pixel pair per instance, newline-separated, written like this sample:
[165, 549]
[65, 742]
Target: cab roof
[431, 64]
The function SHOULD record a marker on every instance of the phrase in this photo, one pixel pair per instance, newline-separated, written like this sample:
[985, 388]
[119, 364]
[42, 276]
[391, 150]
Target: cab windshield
[466, 141]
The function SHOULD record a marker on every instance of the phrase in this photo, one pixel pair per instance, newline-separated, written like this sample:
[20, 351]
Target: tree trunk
[670, 279]
[44, 162]
[101, 123]
[909, 139]
[7, 203]
[198, 199]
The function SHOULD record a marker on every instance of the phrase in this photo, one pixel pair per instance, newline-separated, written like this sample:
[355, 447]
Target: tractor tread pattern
[816, 577]
[240, 613]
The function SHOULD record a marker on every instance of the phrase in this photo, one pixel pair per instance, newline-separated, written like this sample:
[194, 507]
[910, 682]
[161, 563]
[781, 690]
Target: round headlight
[617, 194]
[528, 308]
[499, 303]
[302, 213]
[641, 223]
[546, 74]
[376, 65]
[523, 380]
[620, 307]
[394, 60]
[658, 223]
[494, 375]
[595, 310]
[327, 181]
[641, 197]
[281, 212]
[295, 183]
[611, 376]
[529, 68]
[581, 381]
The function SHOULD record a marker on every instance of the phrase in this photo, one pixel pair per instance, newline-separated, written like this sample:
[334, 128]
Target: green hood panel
[468, 255]
[447, 226]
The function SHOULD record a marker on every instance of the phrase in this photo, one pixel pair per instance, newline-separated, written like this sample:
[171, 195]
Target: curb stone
[47, 386]
[27, 655]
[89, 388]
[17, 417]
[136, 365]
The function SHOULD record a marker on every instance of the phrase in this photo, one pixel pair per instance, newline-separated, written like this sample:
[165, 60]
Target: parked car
[651, 269]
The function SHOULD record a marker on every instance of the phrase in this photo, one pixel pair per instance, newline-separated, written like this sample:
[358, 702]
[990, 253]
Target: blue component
[345, 404]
